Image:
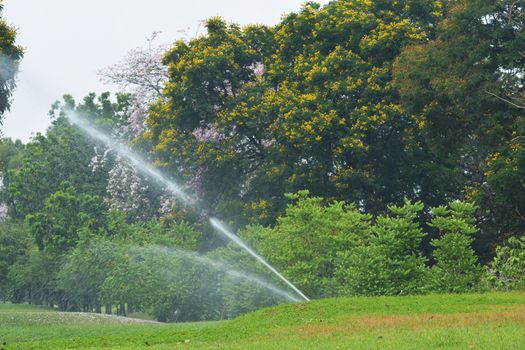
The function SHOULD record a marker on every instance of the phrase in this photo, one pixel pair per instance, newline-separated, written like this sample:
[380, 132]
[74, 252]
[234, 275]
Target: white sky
[68, 41]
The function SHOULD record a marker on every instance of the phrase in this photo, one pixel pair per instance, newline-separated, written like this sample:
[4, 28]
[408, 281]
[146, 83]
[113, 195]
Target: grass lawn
[471, 321]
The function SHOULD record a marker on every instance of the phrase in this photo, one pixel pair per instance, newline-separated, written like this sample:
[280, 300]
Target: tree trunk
[123, 309]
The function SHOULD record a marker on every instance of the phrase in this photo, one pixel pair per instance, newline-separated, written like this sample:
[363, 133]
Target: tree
[65, 213]
[256, 112]
[63, 154]
[309, 240]
[502, 195]
[10, 56]
[84, 271]
[388, 261]
[32, 278]
[15, 242]
[142, 75]
[456, 267]
[455, 88]
[10, 158]
[507, 269]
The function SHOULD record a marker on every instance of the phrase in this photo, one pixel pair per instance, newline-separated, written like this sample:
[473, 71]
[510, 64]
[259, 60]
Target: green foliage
[33, 278]
[455, 88]
[503, 194]
[150, 267]
[10, 56]
[240, 294]
[63, 154]
[84, 271]
[10, 158]
[164, 232]
[333, 249]
[456, 269]
[186, 289]
[307, 241]
[507, 269]
[308, 103]
[388, 262]
[14, 243]
[64, 214]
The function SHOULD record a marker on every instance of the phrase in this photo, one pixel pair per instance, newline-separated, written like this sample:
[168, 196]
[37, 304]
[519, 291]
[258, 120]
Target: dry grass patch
[514, 315]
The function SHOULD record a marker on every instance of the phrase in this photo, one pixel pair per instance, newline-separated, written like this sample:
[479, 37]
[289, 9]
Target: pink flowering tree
[140, 74]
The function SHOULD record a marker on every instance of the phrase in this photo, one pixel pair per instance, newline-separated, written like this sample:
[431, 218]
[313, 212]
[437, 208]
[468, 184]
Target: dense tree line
[365, 147]
[362, 101]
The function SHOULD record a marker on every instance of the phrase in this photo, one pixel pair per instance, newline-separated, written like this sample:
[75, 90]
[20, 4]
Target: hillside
[477, 321]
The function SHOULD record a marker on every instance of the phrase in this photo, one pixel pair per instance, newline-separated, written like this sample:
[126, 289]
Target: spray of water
[146, 168]
[234, 238]
[223, 267]
[125, 152]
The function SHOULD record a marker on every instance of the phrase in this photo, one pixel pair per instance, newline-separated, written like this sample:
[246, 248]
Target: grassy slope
[477, 321]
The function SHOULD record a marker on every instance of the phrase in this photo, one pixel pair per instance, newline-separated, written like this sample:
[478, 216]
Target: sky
[68, 41]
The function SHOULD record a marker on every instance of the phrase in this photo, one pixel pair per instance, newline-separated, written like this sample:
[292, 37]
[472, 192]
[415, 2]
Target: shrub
[388, 262]
[306, 243]
[456, 269]
[507, 269]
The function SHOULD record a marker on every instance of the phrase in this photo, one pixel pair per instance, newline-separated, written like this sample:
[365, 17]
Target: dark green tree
[457, 89]
[15, 242]
[56, 227]
[389, 260]
[63, 153]
[10, 159]
[456, 266]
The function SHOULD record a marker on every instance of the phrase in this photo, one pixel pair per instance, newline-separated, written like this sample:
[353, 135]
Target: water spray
[126, 152]
[228, 271]
[146, 168]
[222, 229]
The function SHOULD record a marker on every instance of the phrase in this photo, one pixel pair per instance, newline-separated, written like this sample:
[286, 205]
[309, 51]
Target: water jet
[148, 169]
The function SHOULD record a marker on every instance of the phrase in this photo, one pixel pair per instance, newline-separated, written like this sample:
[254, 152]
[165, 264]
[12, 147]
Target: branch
[505, 100]
[517, 138]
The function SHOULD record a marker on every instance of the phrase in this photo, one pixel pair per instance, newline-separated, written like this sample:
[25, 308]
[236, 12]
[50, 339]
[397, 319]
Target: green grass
[473, 321]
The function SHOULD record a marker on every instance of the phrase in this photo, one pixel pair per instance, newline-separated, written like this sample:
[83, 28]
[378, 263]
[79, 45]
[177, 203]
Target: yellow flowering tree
[251, 113]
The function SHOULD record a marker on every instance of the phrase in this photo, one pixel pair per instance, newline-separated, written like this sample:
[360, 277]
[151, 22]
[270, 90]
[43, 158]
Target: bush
[456, 269]
[307, 242]
[15, 242]
[388, 262]
[507, 269]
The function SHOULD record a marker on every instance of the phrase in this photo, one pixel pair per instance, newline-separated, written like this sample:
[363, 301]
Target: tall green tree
[457, 88]
[15, 241]
[56, 227]
[456, 266]
[389, 260]
[310, 240]
[62, 154]
[10, 158]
